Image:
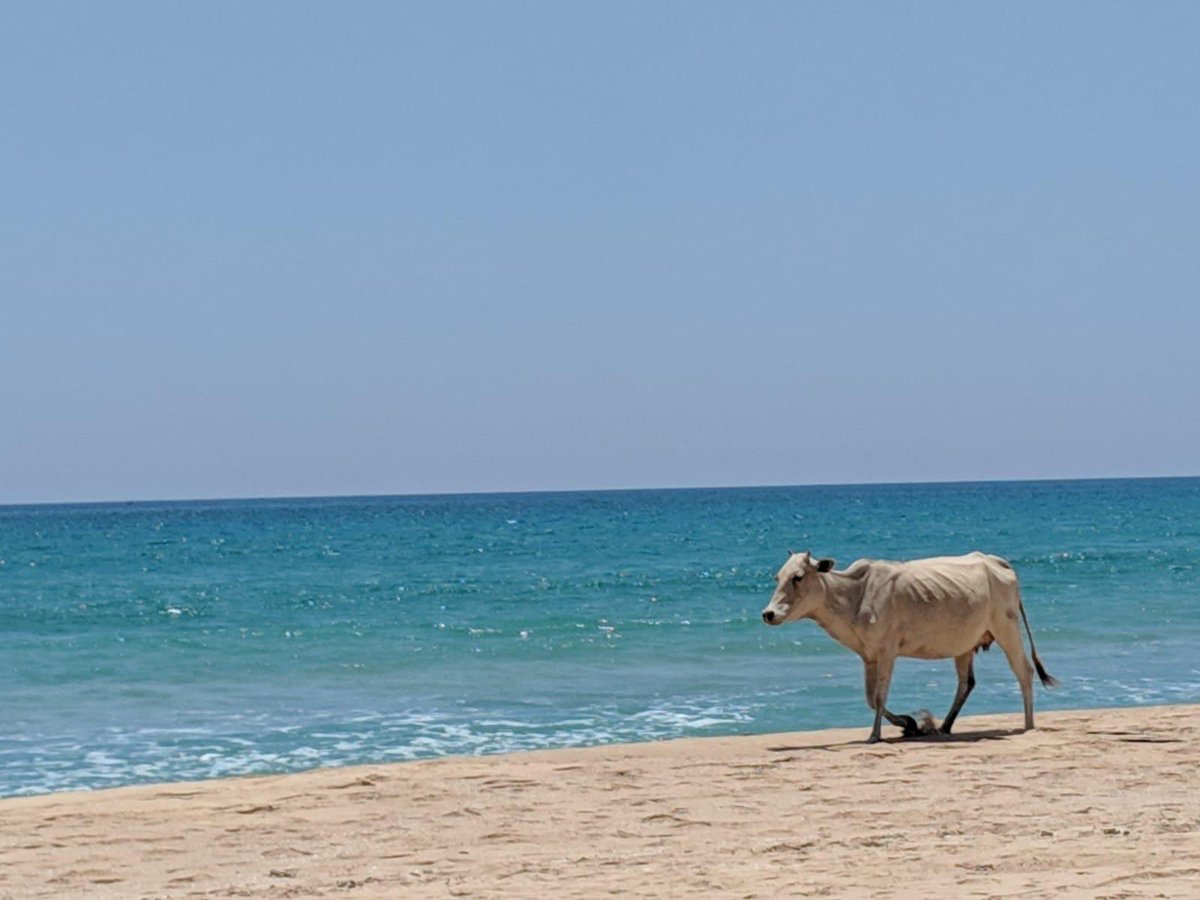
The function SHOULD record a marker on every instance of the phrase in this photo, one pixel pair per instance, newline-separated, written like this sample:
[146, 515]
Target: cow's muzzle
[769, 616]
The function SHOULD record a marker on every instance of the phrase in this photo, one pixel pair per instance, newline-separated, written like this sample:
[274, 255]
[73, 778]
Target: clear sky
[255, 249]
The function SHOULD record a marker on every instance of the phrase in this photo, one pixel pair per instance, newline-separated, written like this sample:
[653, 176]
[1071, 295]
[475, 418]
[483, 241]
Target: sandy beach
[1098, 803]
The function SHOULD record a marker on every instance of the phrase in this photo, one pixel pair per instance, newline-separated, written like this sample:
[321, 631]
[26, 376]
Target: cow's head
[797, 589]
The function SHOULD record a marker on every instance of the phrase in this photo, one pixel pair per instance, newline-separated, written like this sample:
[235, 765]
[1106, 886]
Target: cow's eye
[796, 579]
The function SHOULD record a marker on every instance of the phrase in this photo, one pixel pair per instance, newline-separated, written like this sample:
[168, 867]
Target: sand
[1102, 803]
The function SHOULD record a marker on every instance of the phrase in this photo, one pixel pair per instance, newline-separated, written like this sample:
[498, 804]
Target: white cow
[939, 608]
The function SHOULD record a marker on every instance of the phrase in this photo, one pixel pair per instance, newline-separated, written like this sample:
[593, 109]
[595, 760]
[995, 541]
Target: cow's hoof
[920, 726]
[873, 739]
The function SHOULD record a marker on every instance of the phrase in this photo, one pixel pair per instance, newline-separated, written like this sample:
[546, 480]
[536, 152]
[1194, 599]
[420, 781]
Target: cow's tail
[1047, 679]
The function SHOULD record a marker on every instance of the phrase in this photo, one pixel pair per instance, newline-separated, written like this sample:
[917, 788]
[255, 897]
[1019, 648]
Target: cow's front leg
[875, 700]
[879, 679]
[871, 678]
[877, 728]
[911, 727]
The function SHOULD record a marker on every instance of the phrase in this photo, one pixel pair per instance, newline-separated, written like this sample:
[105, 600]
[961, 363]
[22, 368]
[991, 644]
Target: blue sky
[293, 249]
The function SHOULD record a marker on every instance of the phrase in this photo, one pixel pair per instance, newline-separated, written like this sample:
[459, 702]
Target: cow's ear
[824, 565]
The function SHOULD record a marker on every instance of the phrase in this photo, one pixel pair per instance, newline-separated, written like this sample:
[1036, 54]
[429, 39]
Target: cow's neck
[837, 611]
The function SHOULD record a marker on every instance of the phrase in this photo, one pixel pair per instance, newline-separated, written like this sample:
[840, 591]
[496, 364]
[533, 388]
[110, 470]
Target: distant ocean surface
[165, 641]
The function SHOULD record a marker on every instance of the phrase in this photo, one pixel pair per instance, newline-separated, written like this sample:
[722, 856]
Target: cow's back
[935, 578]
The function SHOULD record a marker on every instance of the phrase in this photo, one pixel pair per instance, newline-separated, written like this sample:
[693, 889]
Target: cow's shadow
[965, 737]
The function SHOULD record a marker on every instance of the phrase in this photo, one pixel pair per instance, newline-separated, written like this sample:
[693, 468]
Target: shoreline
[891, 735]
[1097, 801]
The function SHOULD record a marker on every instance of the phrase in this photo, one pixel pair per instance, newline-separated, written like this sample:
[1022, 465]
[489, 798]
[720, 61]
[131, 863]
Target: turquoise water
[163, 641]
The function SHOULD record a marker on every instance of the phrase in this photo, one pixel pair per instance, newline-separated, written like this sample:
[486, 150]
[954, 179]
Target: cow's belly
[917, 649]
[951, 634]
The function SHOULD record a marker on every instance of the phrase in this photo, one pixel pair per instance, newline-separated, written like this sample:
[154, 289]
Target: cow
[938, 608]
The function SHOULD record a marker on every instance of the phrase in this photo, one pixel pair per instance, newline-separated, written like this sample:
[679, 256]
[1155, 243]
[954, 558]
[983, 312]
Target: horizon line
[608, 490]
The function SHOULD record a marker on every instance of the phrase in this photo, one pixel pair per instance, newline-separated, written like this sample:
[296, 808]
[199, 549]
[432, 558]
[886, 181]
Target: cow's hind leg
[1009, 639]
[965, 665]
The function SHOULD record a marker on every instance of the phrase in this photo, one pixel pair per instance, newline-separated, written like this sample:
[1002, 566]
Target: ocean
[147, 642]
